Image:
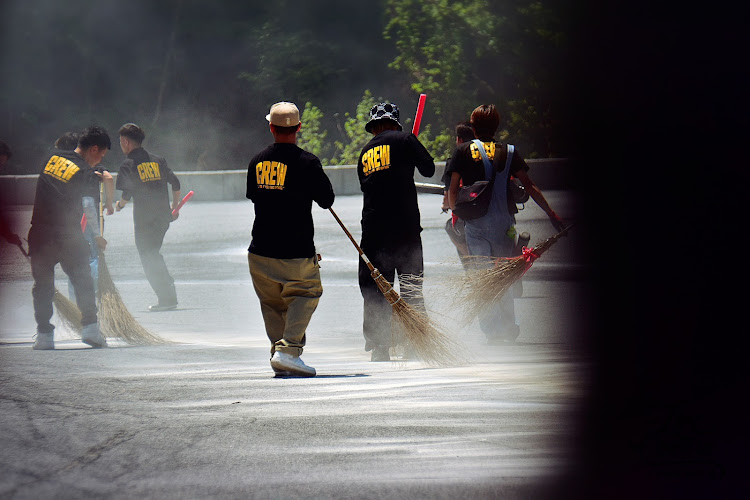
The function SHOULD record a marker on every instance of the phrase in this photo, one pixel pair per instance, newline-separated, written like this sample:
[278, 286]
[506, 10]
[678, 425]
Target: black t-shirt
[446, 178]
[467, 162]
[282, 181]
[92, 188]
[62, 183]
[386, 177]
[144, 177]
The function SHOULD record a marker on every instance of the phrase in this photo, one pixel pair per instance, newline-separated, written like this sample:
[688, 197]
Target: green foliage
[512, 53]
[347, 153]
[311, 138]
[507, 52]
[440, 146]
[438, 43]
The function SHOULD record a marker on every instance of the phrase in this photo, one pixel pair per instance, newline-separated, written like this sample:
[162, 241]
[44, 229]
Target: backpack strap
[489, 172]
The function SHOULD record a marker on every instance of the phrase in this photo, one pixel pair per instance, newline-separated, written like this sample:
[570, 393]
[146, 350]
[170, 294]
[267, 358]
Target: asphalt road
[204, 416]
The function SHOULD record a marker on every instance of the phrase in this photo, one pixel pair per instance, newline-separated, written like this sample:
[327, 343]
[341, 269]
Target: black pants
[47, 248]
[149, 237]
[391, 258]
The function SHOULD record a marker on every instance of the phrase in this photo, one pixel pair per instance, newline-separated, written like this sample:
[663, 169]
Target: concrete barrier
[216, 185]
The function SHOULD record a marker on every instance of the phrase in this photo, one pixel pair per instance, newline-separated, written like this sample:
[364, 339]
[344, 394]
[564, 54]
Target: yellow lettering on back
[272, 173]
[149, 171]
[376, 156]
[281, 176]
[489, 148]
[266, 170]
[60, 168]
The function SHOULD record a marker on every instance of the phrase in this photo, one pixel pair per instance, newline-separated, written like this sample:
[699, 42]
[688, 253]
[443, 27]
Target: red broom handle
[418, 116]
[182, 202]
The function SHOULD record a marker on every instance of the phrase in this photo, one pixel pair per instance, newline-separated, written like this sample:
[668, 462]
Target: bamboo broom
[485, 286]
[429, 342]
[114, 318]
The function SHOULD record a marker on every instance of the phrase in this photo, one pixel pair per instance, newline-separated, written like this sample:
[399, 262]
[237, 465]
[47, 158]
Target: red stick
[418, 116]
[184, 200]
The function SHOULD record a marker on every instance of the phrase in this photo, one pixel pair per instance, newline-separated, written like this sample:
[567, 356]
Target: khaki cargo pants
[288, 290]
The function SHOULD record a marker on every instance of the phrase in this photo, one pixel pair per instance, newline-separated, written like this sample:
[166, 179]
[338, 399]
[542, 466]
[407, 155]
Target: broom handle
[23, 251]
[418, 114]
[182, 202]
[559, 235]
[361, 253]
[101, 210]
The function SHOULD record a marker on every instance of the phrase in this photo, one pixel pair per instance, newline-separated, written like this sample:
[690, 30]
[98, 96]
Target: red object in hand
[418, 116]
[182, 202]
[83, 223]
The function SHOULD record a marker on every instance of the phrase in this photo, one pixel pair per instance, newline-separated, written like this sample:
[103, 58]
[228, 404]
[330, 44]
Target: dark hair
[285, 130]
[94, 136]
[68, 141]
[133, 132]
[464, 132]
[484, 120]
[383, 124]
[5, 150]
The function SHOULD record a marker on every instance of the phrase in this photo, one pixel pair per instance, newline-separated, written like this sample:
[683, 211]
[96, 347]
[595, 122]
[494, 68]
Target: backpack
[473, 201]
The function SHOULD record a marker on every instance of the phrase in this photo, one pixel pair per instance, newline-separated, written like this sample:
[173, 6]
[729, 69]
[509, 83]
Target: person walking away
[5, 228]
[90, 202]
[282, 182]
[55, 234]
[390, 221]
[455, 226]
[494, 235]
[144, 178]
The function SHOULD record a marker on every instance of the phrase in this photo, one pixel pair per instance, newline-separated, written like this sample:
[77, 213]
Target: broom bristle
[485, 285]
[115, 319]
[67, 312]
[428, 341]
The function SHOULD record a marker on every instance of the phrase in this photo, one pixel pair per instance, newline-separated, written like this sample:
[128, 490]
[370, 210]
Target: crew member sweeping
[282, 181]
[144, 178]
[90, 222]
[493, 234]
[55, 234]
[390, 221]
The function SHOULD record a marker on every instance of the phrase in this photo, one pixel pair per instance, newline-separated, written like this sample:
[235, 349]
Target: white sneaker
[92, 336]
[44, 341]
[282, 361]
[282, 373]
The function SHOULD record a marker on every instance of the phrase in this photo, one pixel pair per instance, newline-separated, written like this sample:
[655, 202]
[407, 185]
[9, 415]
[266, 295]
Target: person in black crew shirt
[282, 181]
[455, 225]
[144, 178]
[390, 220]
[494, 234]
[69, 141]
[55, 234]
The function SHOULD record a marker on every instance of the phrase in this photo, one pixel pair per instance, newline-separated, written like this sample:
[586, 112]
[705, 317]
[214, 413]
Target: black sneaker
[162, 307]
